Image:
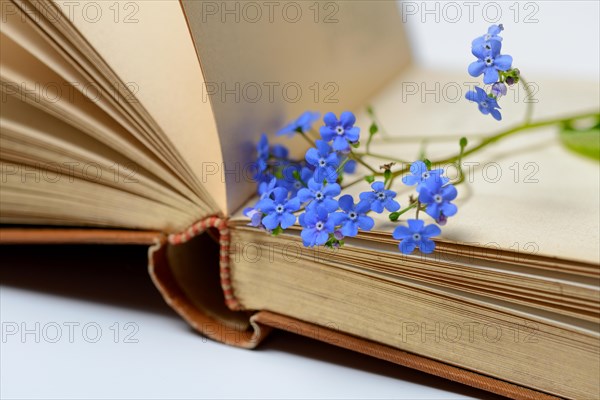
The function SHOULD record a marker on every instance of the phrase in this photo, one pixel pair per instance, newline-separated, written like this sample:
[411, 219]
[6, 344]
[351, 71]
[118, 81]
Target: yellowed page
[526, 193]
[266, 62]
[148, 45]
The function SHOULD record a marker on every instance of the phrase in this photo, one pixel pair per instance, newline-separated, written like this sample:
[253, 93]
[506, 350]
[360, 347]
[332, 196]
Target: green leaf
[427, 163]
[583, 142]
[370, 178]
[355, 144]
[394, 216]
[373, 129]
[370, 110]
[276, 231]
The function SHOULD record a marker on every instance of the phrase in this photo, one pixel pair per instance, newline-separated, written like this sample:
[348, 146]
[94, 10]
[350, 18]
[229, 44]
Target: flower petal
[449, 209]
[496, 114]
[449, 192]
[490, 75]
[433, 210]
[305, 194]
[350, 229]
[411, 180]
[392, 205]
[332, 189]
[326, 133]
[347, 119]
[346, 203]
[308, 236]
[476, 68]
[312, 156]
[401, 232]
[365, 223]
[431, 230]
[377, 206]
[425, 195]
[271, 221]
[340, 144]
[350, 167]
[362, 207]
[367, 197]
[353, 134]
[330, 120]
[338, 217]
[293, 204]
[323, 148]
[503, 62]
[471, 96]
[287, 220]
[321, 237]
[330, 204]
[416, 225]
[377, 186]
[427, 246]
[280, 194]
[407, 246]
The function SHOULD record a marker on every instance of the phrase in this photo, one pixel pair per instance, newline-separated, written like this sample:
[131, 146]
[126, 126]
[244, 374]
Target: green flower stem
[341, 166]
[390, 182]
[410, 207]
[380, 156]
[528, 100]
[308, 139]
[354, 182]
[501, 135]
[359, 160]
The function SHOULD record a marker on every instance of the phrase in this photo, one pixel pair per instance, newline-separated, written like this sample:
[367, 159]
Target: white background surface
[79, 287]
[168, 360]
[549, 38]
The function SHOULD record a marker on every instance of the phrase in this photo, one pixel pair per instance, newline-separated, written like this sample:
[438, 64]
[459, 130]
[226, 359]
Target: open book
[137, 123]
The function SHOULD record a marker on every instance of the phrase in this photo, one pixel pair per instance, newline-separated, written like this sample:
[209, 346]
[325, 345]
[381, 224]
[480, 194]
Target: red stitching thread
[224, 240]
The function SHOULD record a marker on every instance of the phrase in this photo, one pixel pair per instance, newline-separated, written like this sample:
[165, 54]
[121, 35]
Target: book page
[527, 194]
[148, 45]
[265, 63]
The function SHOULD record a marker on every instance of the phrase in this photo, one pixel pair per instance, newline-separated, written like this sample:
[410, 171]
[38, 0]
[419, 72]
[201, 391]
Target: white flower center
[380, 195]
[352, 215]
[297, 184]
[322, 162]
[425, 175]
[437, 198]
[416, 237]
[489, 61]
[319, 196]
[319, 226]
[484, 104]
[487, 46]
[279, 208]
[339, 130]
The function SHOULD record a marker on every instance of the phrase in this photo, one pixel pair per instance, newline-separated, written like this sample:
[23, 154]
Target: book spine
[201, 227]
[184, 283]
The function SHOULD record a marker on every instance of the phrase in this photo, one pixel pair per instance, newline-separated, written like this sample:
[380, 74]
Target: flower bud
[442, 219]
[499, 88]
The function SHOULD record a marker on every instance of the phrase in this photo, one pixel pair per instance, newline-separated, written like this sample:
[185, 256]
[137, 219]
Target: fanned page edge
[261, 323]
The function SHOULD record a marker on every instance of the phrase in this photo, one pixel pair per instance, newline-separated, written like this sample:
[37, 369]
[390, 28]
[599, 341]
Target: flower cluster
[311, 188]
[496, 69]
[312, 185]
